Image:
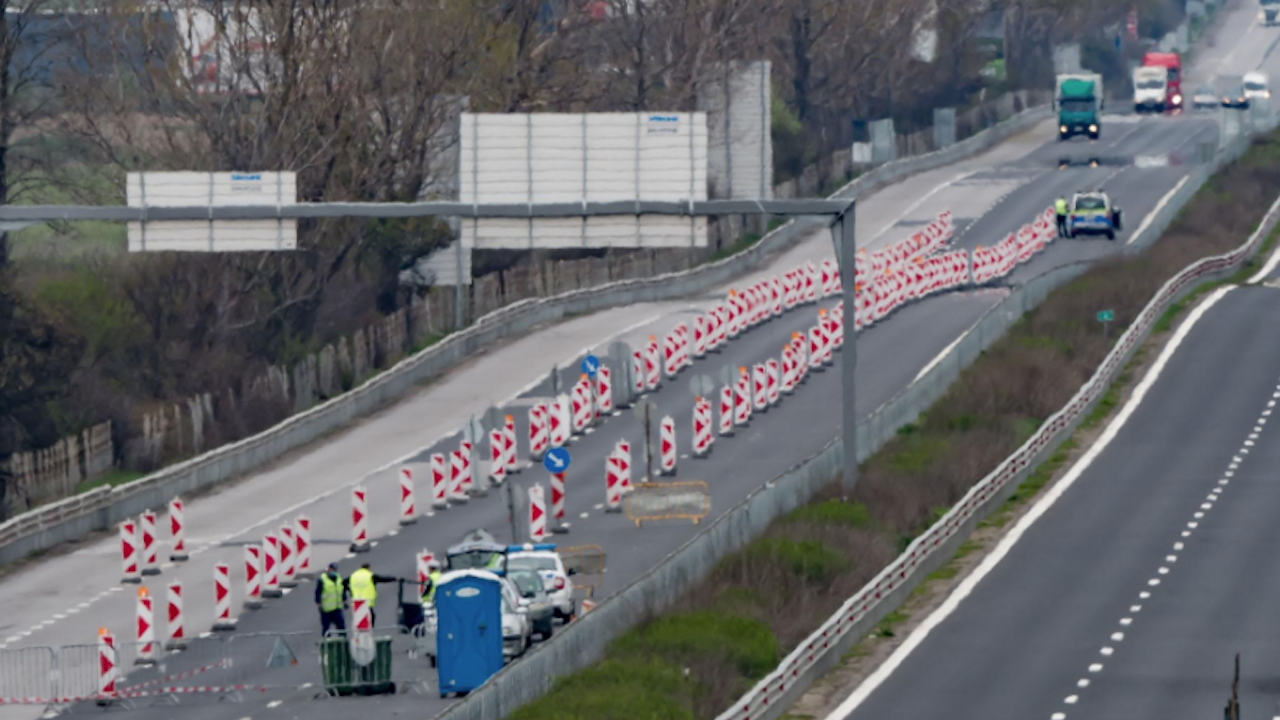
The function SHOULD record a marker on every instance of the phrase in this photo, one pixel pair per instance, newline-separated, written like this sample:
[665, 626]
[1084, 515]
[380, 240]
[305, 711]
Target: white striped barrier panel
[177, 531]
[222, 620]
[147, 529]
[176, 627]
[408, 501]
[288, 567]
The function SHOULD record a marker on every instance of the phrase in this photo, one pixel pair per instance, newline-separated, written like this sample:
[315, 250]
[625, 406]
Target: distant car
[1255, 86]
[533, 595]
[1091, 213]
[1204, 97]
[1233, 96]
[555, 577]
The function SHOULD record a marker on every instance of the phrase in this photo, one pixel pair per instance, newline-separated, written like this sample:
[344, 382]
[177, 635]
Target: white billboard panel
[187, 189]
[595, 157]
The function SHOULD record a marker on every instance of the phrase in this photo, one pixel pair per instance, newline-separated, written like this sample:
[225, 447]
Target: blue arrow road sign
[590, 364]
[556, 460]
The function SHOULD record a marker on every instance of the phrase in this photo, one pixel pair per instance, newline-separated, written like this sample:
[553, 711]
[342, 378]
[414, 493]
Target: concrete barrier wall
[101, 509]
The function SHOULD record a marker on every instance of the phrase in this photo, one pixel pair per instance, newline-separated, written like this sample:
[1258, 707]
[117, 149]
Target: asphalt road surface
[64, 598]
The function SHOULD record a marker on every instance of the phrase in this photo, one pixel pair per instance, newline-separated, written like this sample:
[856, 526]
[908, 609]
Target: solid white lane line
[1151, 216]
[965, 588]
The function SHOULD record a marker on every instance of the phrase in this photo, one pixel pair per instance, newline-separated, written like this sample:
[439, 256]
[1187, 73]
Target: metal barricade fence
[27, 676]
[586, 563]
[77, 673]
[689, 500]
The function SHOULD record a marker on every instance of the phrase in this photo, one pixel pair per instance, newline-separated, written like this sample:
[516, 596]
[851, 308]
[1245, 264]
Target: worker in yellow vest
[363, 585]
[433, 581]
[331, 598]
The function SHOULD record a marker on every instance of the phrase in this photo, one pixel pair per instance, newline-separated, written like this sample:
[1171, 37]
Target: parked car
[533, 595]
[555, 577]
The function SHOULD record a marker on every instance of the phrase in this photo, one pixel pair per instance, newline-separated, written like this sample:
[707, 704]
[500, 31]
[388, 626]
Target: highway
[64, 598]
[1131, 594]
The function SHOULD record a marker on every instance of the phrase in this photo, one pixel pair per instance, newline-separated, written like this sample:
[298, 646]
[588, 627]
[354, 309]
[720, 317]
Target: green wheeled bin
[356, 666]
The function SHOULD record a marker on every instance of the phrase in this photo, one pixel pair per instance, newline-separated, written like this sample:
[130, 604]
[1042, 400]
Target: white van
[1255, 86]
[1150, 86]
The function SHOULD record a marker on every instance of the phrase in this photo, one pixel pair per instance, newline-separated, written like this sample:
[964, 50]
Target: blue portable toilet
[468, 630]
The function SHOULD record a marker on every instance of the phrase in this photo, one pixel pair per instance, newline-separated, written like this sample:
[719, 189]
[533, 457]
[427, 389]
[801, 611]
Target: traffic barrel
[604, 390]
[557, 503]
[146, 629]
[177, 531]
[129, 552]
[771, 381]
[147, 527]
[177, 624]
[497, 456]
[359, 520]
[106, 667]
[252, 577]
[439, 481]
[537, 513]
[408, 508]
[509, 444]
[302, 549]
[760, 388]
[726, 411]
[667, 445]
[222, 620]
[613, 482]
[456, 465]
[539, 436]
[287, 566]
[271, 566]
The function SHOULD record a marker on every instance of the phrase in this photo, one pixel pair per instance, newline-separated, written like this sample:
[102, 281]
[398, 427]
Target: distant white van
[1255, 86]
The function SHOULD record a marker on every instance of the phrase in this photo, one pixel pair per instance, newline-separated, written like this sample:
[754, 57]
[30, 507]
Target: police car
[1092, 213]
[544, 559]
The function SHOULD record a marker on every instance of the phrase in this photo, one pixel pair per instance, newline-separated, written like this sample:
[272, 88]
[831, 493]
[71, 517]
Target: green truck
[1079, 102]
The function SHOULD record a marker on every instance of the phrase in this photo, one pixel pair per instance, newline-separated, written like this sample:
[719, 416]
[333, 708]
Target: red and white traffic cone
[177, 623]
[408, 502]
[106, 667]
[667, 446]
[177, 531]
[623, 449]
[456, 464]
[359, 520]
[815, 349]
[287, 566]
[129, 552]
[439, 481]
[271, 566]
[537, 513]
[146, 627]
[760, 388]
[497, 456]
[362, 615]
[652, 365]
[222, 620]
[726, 411]
[771, 380]
[252, 577]
[557, 503]
[604, 390]
[539, 436]
[147, 525]
[613, 483]
[302, 549]
[699, 336]
[509, 447]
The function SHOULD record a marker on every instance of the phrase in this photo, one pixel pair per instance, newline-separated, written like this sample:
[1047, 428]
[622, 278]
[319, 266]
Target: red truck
[1172, 63]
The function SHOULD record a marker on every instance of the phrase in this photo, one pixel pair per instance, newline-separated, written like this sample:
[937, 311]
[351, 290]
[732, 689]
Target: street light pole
[845, 241]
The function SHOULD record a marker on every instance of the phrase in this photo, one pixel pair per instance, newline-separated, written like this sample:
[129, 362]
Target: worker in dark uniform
[331, 598]
[363, 586]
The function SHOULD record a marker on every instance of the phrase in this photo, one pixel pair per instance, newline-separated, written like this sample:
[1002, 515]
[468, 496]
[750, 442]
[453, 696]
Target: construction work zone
[688, 500]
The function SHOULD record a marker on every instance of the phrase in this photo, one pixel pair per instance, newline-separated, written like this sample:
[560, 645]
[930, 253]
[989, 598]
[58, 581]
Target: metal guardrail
[685, 500]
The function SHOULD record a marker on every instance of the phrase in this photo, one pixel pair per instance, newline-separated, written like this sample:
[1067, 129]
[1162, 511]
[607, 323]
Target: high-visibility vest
[495, 561]
[330, 593]
[362, 587]
[1060, 207]
[435, 582]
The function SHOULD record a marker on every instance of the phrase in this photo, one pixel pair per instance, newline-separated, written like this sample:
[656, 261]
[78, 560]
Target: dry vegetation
[731, 630]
